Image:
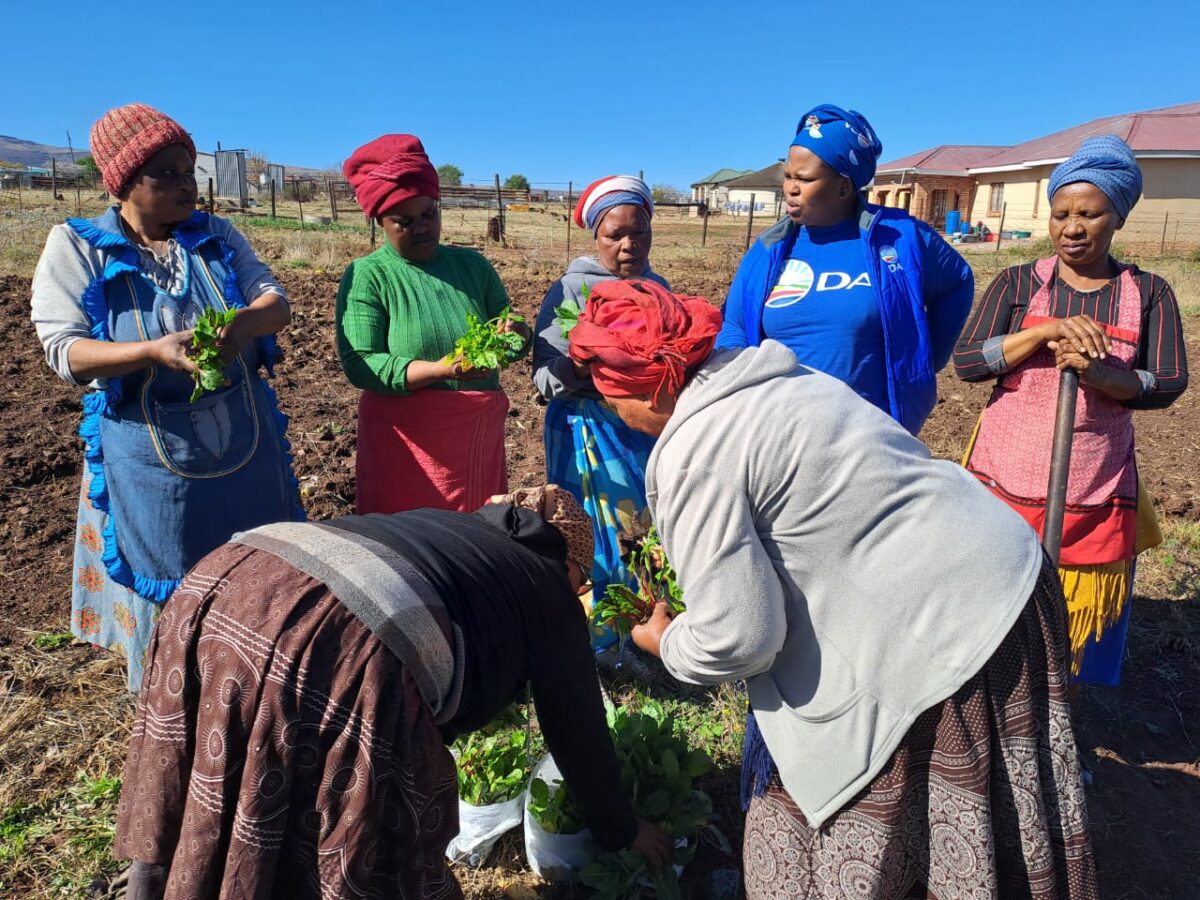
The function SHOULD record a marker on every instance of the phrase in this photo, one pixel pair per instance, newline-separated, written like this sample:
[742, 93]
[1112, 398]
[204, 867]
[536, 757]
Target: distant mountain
[28, 153]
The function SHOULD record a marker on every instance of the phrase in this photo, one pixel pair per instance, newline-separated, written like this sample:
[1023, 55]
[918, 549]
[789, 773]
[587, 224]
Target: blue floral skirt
[602, 461]
[103, 612]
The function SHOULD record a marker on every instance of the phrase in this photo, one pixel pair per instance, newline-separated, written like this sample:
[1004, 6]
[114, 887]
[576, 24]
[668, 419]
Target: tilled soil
[1146, 803]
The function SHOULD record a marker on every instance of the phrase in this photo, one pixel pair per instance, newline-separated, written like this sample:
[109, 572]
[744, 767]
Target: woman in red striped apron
[1120, 329]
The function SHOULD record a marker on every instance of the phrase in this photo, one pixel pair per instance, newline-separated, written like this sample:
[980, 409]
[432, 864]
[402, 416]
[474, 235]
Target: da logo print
[890, 258]
[795, 282]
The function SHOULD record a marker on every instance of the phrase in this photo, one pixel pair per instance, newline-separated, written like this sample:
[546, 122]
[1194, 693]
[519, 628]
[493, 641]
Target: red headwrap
[390, 170]
[641, 339]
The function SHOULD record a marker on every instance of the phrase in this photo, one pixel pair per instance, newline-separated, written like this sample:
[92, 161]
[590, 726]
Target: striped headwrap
[612, 190]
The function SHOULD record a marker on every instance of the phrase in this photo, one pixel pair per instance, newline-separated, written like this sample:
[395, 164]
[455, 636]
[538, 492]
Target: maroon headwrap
[641, 339]
[390, 170]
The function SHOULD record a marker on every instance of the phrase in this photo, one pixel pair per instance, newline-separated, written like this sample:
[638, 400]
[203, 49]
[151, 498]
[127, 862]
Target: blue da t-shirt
[824, 308]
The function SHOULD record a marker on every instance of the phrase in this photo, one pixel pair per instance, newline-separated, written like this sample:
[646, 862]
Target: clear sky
[572, 91]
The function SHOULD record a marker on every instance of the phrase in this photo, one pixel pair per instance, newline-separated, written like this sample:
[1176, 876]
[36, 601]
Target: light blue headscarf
[843, 139]
[1108, 163]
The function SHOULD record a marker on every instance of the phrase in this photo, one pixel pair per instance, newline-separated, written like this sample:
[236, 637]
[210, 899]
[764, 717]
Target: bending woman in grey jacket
[900, 632]
[588, 449]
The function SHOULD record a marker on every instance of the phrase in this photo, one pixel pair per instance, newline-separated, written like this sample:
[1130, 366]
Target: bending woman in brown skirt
[304, 679]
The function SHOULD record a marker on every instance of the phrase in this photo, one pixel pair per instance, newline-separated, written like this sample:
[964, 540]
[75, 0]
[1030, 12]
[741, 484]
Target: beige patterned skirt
[983, 798]
[280, 750]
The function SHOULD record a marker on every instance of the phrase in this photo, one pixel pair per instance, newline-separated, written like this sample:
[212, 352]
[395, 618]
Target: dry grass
[65, 717]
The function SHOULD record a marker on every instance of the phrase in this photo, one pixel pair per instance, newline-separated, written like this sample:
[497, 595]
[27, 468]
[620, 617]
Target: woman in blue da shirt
[864, 293]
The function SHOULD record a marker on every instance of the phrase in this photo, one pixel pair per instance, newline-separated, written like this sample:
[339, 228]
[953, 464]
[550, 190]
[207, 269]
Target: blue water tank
[953, 217]
[965, 228]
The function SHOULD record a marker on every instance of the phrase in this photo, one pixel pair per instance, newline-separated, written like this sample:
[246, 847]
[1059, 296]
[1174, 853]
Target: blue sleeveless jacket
[176, 479]
[892, 248]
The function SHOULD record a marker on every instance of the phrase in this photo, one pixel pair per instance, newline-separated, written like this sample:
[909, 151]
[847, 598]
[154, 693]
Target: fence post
[20, 202]
[53, 179]
[1000, 230]
[704, 232]
[272, 197]
[332, 202]
[78, 208]
[500, 207]
[570, 200]
[1162, 247]
[750, 223]
[211, 208]
[299, 202]
[372, 221]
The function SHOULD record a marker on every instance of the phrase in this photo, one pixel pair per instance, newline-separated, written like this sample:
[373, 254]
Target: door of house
[937, 209]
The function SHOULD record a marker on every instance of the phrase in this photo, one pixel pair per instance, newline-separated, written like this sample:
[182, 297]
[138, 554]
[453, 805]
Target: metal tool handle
[1060, 463]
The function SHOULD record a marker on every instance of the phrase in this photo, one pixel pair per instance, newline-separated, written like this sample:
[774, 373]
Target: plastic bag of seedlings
[493, 773]
[479, 827]
[557, 845]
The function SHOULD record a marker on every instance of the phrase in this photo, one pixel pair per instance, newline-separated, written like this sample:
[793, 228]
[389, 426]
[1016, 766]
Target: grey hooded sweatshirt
[553, 372]
[826, 558]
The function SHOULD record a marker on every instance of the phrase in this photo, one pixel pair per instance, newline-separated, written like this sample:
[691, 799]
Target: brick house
[931, 183]
[990, 184]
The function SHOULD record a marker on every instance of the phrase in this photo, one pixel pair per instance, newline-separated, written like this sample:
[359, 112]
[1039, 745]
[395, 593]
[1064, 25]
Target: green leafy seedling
[210, 375]
[485, 346]
[553, 808]
[566, 315]
[494, 762]
[646, 560]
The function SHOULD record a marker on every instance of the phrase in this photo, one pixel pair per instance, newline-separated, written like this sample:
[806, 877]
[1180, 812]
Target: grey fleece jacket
[826, 558]
[553, 372]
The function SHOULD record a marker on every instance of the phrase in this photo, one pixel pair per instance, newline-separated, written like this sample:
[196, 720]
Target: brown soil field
[63, 710]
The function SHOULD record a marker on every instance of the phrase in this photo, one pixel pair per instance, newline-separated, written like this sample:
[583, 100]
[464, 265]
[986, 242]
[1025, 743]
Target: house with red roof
[985, 183]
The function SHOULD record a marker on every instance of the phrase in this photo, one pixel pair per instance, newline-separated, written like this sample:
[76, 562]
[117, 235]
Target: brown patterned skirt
[280, 750]
[982, 799]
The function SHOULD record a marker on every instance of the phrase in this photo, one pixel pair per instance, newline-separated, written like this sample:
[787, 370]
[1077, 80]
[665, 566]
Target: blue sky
[572, 91]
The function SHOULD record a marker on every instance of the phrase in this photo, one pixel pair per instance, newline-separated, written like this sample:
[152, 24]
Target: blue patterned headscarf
[1108, 163]
[843, 139]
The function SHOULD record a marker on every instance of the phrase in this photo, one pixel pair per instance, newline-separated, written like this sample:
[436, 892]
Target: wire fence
[1145, 231]
[537, 221]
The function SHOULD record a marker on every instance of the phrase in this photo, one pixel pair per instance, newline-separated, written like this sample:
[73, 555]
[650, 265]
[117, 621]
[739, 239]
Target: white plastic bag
[555, 857]
[479, 827]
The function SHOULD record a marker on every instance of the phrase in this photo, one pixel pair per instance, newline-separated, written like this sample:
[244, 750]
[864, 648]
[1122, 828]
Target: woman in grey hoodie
[589, 450]
[901, 633]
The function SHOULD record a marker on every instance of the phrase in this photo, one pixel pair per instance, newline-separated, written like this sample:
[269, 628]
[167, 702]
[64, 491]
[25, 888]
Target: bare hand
[234, 337]
[461, 370]
[1081, 334]
[654, 844]
[648, 636]
[171, 351]
[1066, 357]
[582, 370]
[519, 327]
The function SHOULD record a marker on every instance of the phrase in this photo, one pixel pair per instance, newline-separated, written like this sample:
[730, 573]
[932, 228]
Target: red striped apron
[1011, 451]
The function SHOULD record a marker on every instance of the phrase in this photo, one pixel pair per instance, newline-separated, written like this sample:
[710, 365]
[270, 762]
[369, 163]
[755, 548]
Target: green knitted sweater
[391, 311]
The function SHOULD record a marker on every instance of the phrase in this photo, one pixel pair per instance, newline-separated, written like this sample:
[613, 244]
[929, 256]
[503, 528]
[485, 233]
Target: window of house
[996, 199]
[937, 208]
[881, 198]
[903, 199]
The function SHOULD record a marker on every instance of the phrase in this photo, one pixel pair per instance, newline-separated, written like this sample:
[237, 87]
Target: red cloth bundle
[641, 339]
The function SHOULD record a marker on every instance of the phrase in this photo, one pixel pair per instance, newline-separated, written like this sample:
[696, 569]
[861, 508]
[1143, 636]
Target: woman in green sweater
[430, 431]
